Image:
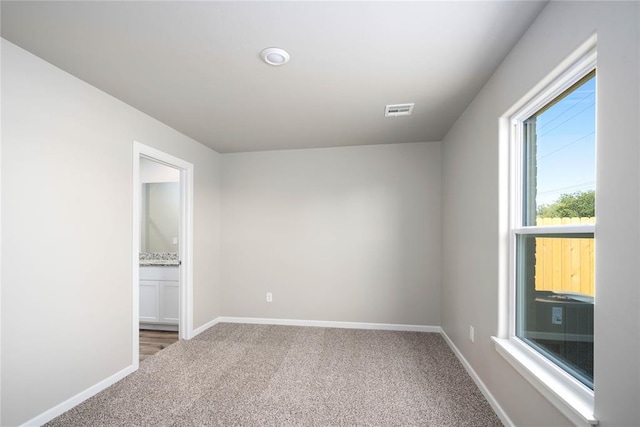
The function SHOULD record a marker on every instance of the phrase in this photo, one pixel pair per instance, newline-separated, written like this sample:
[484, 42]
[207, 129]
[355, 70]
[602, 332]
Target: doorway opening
[162, 282]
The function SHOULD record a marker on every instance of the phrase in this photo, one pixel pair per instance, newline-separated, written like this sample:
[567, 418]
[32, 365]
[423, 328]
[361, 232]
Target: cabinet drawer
[159, 273]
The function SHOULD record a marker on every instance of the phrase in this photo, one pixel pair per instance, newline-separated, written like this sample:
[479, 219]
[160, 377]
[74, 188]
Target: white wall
[471, 212]
[67, 156]
[342, 234]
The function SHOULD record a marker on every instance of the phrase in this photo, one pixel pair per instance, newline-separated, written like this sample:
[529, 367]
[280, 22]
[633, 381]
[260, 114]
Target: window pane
[559, 157]
[555, 298]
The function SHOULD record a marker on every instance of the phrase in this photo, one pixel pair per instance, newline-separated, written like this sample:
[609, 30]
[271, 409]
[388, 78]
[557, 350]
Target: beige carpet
[254, 375]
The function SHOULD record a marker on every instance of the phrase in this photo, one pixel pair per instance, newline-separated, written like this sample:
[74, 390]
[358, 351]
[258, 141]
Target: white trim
[135, 255]
[331, 324]
[0, 250]
[186, 251]
[186, 240]
[555, 336]
[201, 329]
[95, 389]
[63, 407]
[583, 51]
[558, 84]
[557, 229]
[505, 188]
[572, 399]
[476, 378]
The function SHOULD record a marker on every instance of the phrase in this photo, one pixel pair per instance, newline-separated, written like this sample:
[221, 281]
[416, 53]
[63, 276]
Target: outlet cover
[556, 315]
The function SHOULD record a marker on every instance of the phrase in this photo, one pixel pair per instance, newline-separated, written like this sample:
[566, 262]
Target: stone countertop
[162, 259]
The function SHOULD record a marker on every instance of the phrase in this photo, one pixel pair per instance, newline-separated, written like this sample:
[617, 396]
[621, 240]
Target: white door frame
[186, 242]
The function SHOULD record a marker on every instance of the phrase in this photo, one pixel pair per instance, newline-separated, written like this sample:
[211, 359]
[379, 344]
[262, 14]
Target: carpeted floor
[254, 375]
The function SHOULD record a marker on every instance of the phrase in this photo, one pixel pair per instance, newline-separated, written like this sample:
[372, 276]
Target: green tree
[580, 204]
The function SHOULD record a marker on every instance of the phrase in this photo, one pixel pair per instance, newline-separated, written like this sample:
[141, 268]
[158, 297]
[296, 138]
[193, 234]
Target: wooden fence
[565, 264]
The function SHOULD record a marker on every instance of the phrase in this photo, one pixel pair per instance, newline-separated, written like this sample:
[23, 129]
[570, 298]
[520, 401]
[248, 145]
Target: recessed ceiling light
[275, 56]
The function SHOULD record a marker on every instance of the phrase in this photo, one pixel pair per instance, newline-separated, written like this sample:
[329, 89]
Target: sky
[566, 145]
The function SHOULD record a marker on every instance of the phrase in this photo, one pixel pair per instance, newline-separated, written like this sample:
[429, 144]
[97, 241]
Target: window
[553, 230]
[552, 225]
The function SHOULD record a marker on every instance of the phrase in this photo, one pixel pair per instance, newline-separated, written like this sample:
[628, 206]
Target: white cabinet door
[159, 295]
[149, 301]
[169, 302]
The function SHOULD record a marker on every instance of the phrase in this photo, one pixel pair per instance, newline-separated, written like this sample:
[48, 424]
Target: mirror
[160, 207]
[160, 216]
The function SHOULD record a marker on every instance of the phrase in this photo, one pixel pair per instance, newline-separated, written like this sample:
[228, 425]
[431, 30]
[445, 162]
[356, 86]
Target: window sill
[573, 400]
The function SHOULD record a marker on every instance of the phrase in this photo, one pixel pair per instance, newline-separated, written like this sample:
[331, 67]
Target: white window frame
[570, 396]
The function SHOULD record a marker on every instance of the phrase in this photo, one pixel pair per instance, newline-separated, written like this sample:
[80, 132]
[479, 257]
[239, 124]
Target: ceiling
[196, 65]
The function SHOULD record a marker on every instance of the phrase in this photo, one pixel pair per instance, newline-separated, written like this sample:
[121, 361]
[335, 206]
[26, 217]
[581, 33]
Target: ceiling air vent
[396, 110]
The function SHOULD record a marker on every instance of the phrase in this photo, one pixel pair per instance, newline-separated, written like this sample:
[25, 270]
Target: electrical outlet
[269, 297]
[471, 334]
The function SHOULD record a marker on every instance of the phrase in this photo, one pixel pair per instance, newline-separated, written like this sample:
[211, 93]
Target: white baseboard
[483, 388]
[331, 324]
[201, 329]
[78, 398]
[95, 389]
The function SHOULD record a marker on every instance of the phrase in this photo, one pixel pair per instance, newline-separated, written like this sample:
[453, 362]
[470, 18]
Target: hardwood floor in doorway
[152, 342]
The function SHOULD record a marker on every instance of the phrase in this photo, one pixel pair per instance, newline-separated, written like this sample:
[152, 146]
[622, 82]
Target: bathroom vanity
[159, 294]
